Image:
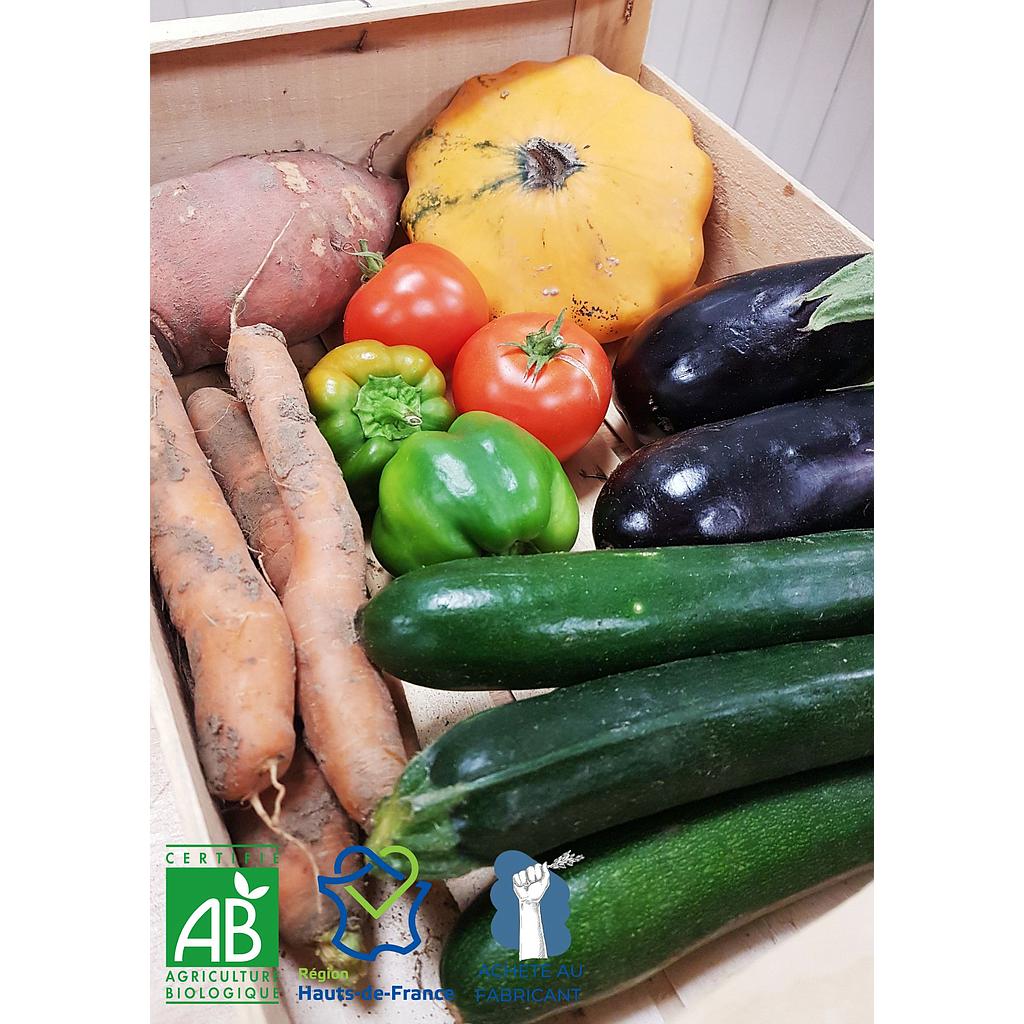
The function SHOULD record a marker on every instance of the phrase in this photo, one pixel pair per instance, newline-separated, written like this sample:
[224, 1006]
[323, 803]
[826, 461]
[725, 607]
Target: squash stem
[546, 164]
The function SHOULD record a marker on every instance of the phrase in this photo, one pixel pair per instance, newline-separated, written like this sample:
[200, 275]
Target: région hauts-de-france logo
[346, 882]
[531, 905]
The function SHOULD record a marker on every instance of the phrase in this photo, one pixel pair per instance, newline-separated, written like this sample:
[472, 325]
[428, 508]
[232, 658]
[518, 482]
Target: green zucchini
[536, 773]
[524, 622]
[645, 894]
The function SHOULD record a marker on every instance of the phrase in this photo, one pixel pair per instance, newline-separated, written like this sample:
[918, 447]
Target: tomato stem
[542, 346]
[370, 262]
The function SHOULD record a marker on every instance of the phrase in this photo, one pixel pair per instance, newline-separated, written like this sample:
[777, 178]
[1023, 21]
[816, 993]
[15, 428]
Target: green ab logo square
[222, 917]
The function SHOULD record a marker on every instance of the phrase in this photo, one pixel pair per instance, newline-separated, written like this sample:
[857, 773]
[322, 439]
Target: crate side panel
[759, 215]
[614, 31]
[274, 18]
[200, 819]
[337, 89]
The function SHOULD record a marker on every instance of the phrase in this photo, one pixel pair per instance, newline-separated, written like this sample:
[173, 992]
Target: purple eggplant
[746, 343]
[800, 468]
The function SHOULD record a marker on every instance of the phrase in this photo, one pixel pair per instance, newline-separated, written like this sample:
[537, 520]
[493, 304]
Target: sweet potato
[350, 720]
[310, 814]
[239, 645]
[209, 230]
[225, 433]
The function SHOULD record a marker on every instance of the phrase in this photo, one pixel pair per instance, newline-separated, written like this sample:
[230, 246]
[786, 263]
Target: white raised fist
[531, 883]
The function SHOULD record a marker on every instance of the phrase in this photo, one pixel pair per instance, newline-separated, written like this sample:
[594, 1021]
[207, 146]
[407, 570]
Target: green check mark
[414, 870]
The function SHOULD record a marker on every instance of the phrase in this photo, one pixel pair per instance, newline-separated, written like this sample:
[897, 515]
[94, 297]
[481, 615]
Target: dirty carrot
[239, 647]
[225, 433]
[312, 830]
[350, 720]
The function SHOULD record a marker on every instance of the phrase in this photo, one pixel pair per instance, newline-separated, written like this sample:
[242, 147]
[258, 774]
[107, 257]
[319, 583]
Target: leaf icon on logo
[242, 888]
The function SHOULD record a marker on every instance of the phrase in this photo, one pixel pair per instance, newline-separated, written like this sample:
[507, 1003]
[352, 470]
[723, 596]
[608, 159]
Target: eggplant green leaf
[849, 295]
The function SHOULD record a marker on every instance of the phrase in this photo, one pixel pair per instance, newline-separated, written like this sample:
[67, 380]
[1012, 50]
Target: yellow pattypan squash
[564, 185]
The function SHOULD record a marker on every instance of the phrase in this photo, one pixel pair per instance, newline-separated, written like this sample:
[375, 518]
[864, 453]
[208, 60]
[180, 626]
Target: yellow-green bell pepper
[368, 399]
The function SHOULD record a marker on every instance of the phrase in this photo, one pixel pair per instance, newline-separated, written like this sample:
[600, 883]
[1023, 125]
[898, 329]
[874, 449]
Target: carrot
[239, 646]
[225, 433]
[319, 831]
[350, 720]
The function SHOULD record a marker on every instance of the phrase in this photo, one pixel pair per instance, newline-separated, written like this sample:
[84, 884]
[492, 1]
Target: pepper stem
[370, 262]
[388, 407]
[542, 346]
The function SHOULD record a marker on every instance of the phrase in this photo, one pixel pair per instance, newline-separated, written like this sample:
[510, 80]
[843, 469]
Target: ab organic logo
[221, 926]
[224, 927]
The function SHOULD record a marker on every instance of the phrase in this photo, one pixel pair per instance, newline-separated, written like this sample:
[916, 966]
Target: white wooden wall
[794, 76]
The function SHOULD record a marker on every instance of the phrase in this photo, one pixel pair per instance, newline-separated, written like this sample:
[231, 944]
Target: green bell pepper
[368, 399]
[486, 487]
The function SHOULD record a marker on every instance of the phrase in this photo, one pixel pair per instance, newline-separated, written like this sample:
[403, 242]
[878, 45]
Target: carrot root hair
[271, 821]
[279, 793]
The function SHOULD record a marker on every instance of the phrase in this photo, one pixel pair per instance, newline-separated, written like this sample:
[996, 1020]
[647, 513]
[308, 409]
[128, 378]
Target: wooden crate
[334, 77]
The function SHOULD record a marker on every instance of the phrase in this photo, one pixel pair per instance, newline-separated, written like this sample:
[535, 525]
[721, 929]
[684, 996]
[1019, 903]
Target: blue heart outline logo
[324, 882]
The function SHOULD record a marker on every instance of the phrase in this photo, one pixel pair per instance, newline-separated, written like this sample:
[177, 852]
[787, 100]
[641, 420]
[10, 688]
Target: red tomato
[553, 379]
[423, 296]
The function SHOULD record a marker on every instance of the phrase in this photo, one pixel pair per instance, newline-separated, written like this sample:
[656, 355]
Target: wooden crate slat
[760, 215]
[614, 31]
[335, 90]
[241, 26]
[199, 815]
